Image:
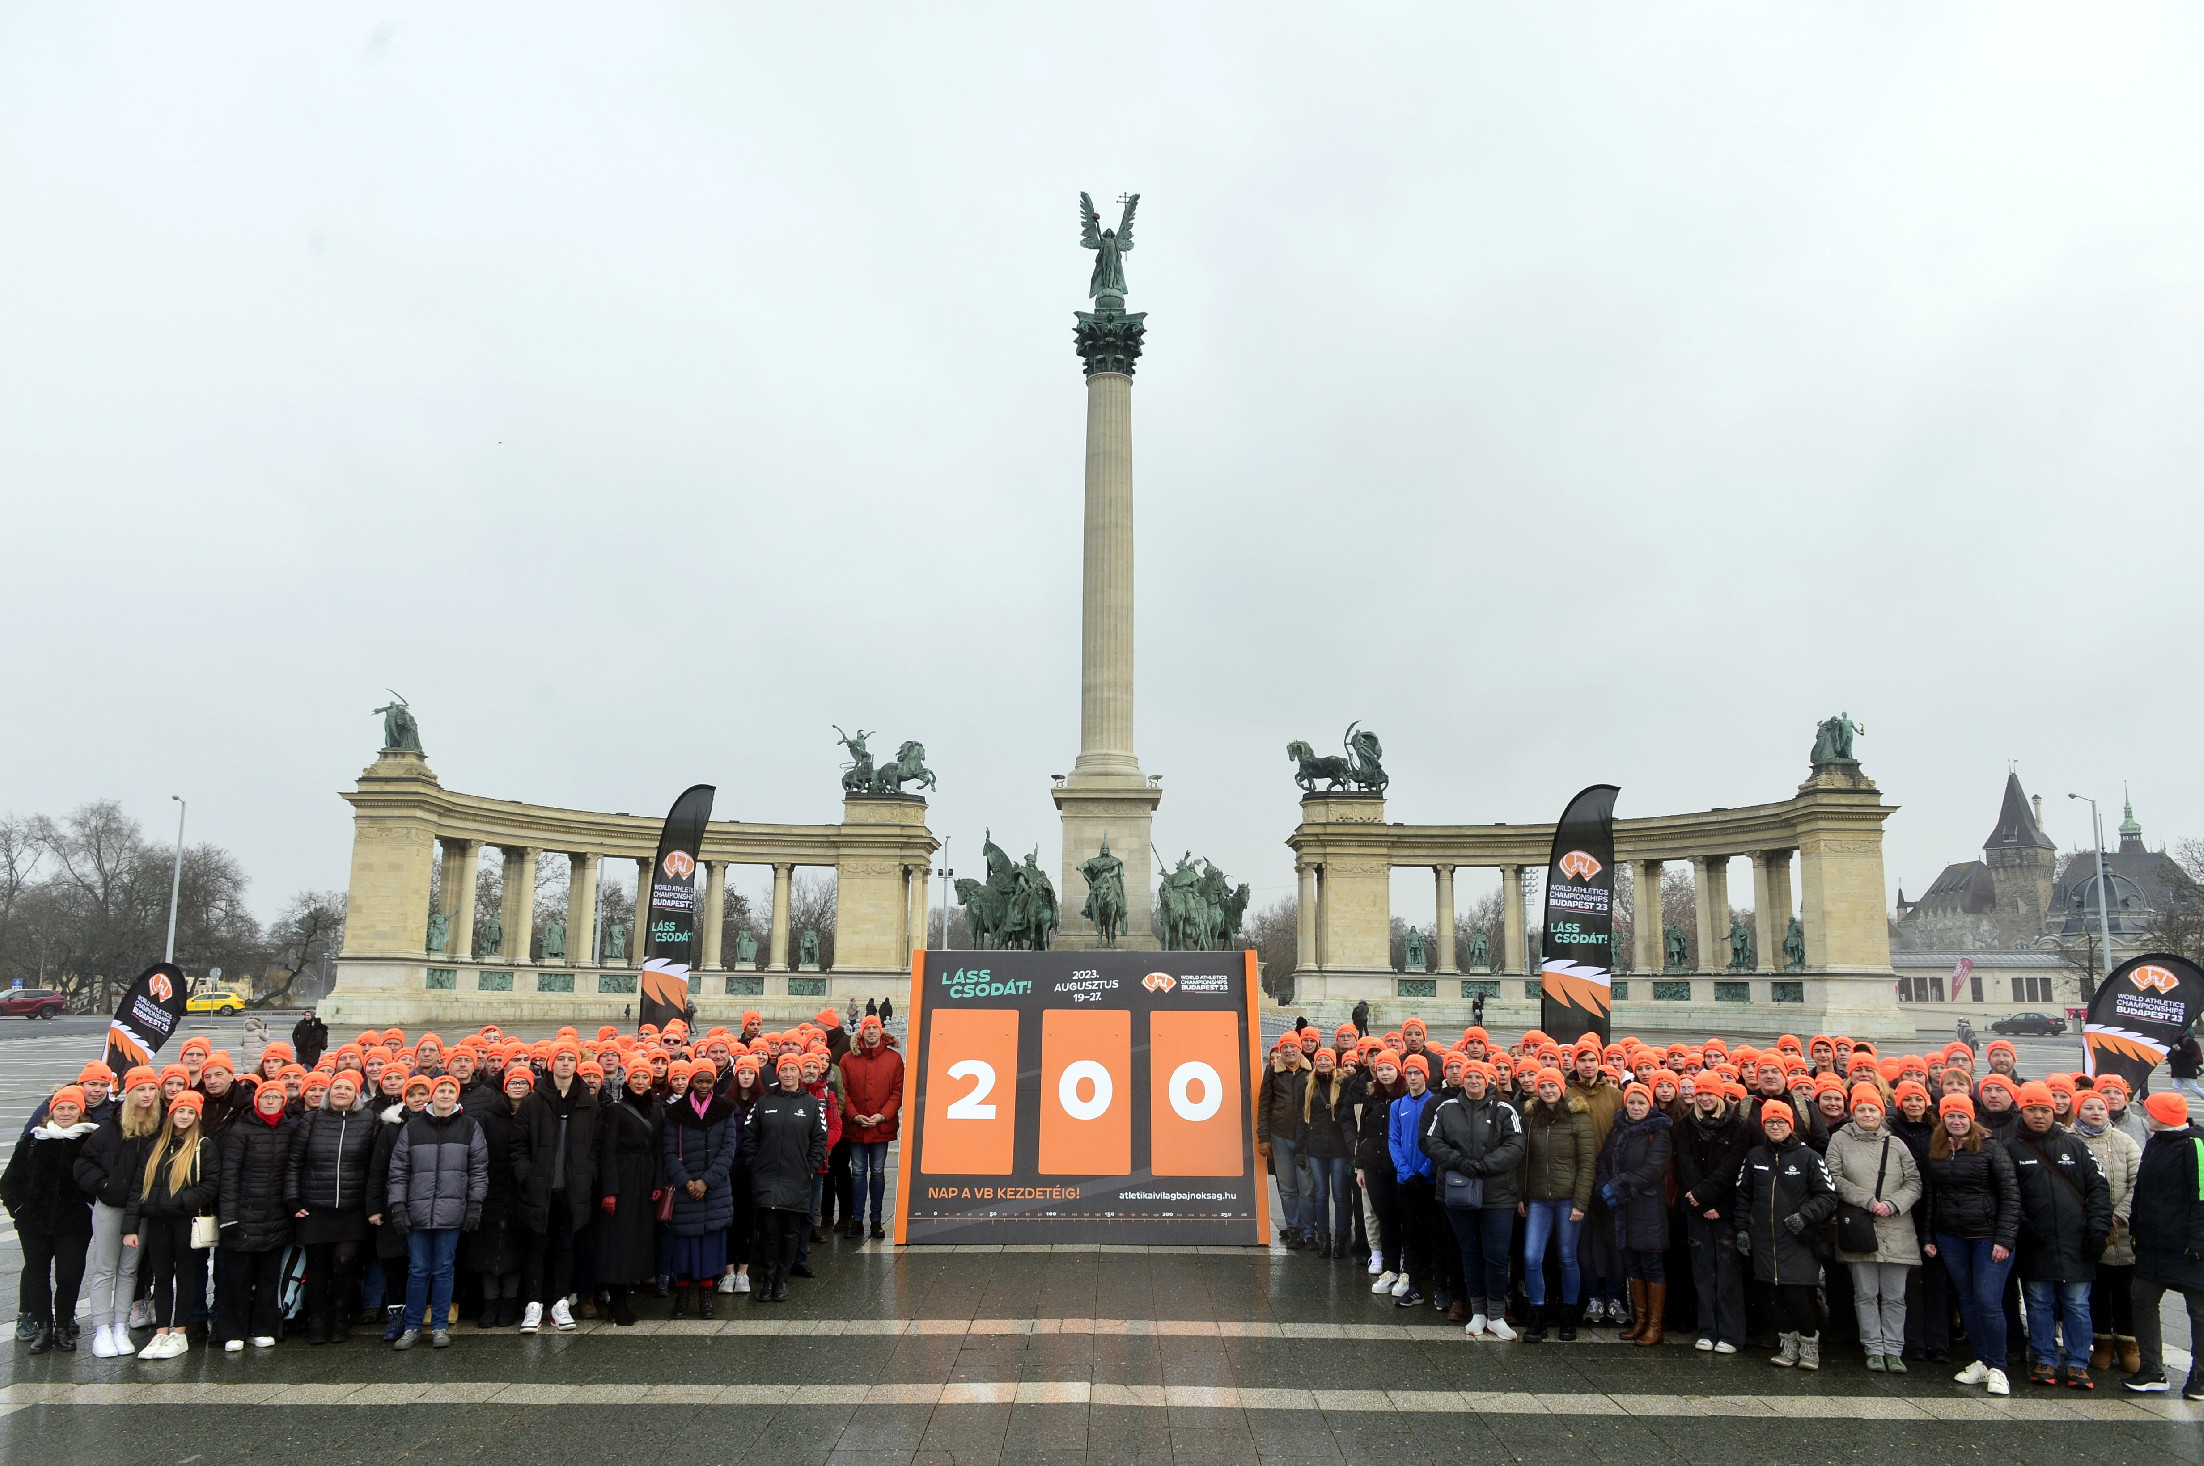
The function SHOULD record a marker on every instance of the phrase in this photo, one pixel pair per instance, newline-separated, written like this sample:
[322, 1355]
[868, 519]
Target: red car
[30, 1003]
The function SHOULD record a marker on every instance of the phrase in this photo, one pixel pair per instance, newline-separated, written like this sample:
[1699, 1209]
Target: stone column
[1714, 912]
[461, 897]
[777, 951]
[1645, 918]
[1779, 901]
[715, 905]
[1767, 929]
[519, 909]
[921, 889]
[642, 911]
[581, 910]
[1106, 602]
[1511, 911]
[1304, 927]
[1446, 962]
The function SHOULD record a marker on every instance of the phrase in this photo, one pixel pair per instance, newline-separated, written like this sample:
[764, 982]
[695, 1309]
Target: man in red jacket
[872, 1079]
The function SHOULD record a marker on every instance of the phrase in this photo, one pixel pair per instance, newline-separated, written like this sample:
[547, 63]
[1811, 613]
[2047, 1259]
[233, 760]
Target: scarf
[700, 1103]
[2087, 1131]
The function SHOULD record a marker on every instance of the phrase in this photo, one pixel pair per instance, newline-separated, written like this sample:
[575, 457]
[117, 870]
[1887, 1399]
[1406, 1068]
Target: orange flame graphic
[1578, 865]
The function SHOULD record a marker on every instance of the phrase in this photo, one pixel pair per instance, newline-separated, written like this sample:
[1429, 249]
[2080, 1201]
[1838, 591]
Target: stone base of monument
[1731, 1005]
[414, 992]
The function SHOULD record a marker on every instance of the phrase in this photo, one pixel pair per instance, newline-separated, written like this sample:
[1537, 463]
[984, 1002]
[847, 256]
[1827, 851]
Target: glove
[1744, 1244]
[399, 1221]
[473, 1219]
[1794, 1224]
[611, 1204]
[1608, 1194]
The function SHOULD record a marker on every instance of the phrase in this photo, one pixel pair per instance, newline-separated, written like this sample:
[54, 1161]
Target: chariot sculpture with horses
[1360, 768]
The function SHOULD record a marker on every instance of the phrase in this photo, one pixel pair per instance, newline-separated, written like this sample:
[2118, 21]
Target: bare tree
[303, 946]
[1274, 931]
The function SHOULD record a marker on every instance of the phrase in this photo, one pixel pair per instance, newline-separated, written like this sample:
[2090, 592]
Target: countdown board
[1082, 1097]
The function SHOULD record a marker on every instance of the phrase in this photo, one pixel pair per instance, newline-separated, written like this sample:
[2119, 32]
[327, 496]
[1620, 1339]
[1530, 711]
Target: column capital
[1109, 340]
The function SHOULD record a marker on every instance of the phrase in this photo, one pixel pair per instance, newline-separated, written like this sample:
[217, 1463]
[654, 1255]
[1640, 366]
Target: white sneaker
[1998, 1386]
[119, 1341]
[103, 1343]
[742, 1283]
[1704, 1346]
[1496, 1327]
[1401, 1287]
[1475, 1328]
[165, 1346]
[727, 1283]
[263, 1341]
[1973, 1374]
[1377, 1263]
[562, 1316]
[234, 1346]
[531, 1318]
[1723, 1346]
[1385, 1282]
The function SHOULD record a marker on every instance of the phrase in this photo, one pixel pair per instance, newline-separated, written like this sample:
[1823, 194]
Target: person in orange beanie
[2168, 1216]
[53, 1220]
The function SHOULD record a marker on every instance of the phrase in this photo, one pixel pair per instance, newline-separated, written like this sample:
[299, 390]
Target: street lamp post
[2104, 892]
[176, 878]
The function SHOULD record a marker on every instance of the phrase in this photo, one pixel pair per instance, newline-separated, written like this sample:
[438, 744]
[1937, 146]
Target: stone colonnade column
[1106, 607]
[1649, 944]
[1511, 911]
[920, 886]
[1713, 912]
[518, 910]
[640, 927]
[581, 909]
[1304, 926]
[1446, 962]
[1771, 907]
[715, 907]
[460, 897]
[777, 951]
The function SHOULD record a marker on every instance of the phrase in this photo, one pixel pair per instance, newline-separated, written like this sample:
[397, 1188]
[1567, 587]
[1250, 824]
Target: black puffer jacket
[2167, 1210]
[1783, 1198]
[1481, 1138]
[1328, 1127]
[543, 1118]
[785, 1138]
[2065, 1206]
[1708, 1153]
[39, 1188]
[196, 1199]
[255, 1158]
[1973, 1193]
[500, 1243]
[1373, 1145]
[111, 1162]
[330, 1154]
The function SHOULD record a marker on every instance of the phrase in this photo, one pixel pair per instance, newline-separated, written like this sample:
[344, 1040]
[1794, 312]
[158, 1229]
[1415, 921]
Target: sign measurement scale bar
[1068, 1097]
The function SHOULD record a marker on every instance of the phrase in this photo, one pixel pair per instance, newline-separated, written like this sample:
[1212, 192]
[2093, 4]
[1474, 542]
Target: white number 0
[1067, 1090]
[969, 1107]
[1183, 1078]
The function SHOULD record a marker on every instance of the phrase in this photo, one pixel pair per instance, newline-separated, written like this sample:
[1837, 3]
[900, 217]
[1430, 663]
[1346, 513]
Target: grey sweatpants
[1879, 1299]
[114, 1270]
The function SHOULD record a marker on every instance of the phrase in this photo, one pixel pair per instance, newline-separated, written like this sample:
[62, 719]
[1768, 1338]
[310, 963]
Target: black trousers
[1928, 1309]
[778, 1234]
[332, 1273]
[547, 1272]
[1385, 1201]
[841, 1187]
[53, 1272]
[1795, 1309]
[178, 1273]
[248, 1288]
[1420, 1227]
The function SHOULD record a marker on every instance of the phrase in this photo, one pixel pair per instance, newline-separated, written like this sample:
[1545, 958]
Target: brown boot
[1458, 1311]
[1637, 1309]
[2100, 1352]
[1656, 1304]
[2131, 1353]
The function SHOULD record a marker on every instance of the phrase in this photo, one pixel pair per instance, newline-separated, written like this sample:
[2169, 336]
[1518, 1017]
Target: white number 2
[969, 1107]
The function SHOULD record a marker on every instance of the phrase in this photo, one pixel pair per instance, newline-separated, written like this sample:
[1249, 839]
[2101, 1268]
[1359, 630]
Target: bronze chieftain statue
[1833, 739]
[1014, 907]
[1105, 878]
[1201, 909]
[1741, 952]
[400, 732]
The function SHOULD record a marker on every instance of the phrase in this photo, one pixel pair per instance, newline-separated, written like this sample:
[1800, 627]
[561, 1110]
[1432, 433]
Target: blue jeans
[1546, 1219]
[430, 1254]
[1979, 1285]
[1483, 1236]
[1285, 1158]
[2046, 1302]
[868, 1170]
[1331, 1196]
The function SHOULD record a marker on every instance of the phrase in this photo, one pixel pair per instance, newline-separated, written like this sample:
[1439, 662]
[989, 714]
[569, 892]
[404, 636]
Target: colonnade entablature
[417, 847]
[1829, 831]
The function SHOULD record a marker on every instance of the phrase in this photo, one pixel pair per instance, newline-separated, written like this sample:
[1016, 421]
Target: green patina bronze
[493, 936]
[616, 942]
[1794, 947]
[401, 734]
[1361, 766]
[1108, 338]
[554, 939]
[1201, 908]
[1105, 878]
[1412, 954]
[859, 776]
[1833, 740]
[1676, 949]
[1014, 907]
[1741, 952]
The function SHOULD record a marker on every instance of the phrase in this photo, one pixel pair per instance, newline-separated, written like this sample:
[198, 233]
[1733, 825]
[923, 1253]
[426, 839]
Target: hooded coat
[499, 1243]
[545, 1118]
[1633, 1175]
[785, 1138]
[256, 1157]
[1481, 1138]
[1560, 1151]
[695, 1147]
[2118, 1157]
[1708, 1153]
[2065, 1206]
[2168, 1211]
[872, 1084]
[628, 1171]
[1784, 1197]
[39, 1187]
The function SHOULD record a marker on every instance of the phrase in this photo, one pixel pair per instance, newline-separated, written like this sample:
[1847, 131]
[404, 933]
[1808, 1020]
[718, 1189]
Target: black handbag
[1856, 1224]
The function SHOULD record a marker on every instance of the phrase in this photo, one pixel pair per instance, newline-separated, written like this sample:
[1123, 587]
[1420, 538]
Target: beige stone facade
[1346, 852]
[405, 822]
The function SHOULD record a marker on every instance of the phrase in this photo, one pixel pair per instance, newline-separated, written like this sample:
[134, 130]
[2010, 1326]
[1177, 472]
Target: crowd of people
[395, 1180]
[1795, 1195]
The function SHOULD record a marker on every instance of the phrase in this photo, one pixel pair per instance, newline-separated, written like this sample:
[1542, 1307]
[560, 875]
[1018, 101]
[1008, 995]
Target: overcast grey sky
[1570, 393]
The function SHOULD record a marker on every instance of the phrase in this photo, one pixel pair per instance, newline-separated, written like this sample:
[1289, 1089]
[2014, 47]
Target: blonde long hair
[134, 1128]
[180, 1148]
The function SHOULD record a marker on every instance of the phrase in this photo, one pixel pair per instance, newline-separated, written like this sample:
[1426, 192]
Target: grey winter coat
[1854, 1155]
[439, 1167]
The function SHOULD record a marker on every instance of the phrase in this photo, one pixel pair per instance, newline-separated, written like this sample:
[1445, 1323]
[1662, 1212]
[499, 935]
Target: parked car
[215, 1000]
[30, 1003]
[2040, 1023]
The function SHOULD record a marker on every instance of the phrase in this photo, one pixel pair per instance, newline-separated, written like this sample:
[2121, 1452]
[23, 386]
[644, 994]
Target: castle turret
[2021, 858]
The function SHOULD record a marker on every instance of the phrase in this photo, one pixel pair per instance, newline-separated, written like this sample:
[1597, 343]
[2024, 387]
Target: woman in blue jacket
[701, 1139]
[1415, 1177]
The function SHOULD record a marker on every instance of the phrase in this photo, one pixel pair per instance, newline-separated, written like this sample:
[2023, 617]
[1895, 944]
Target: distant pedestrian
[310, 1037]
[872, 1007]
[887, 1010]
[1361, 1019]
